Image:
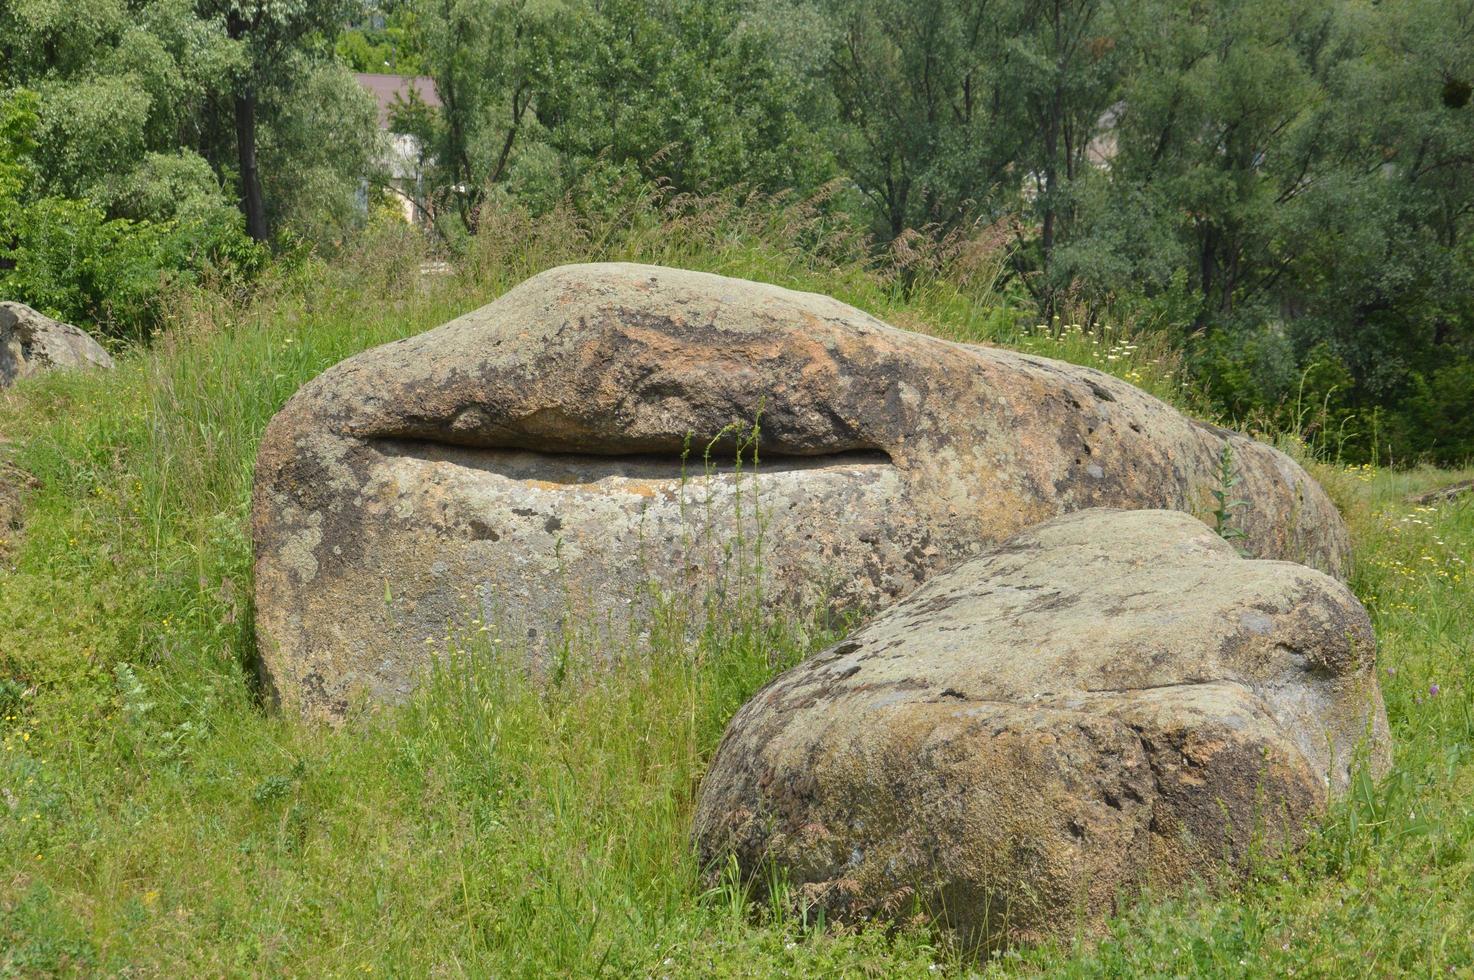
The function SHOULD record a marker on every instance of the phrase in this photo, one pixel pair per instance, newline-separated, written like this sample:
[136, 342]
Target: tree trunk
[1052, 125]
[252, 203]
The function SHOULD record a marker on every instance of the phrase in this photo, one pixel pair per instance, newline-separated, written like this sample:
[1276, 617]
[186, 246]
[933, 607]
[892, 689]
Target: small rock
[31, 343]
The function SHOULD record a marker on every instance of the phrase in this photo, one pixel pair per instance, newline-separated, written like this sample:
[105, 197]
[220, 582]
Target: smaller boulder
[1107, 700]
[31, 343]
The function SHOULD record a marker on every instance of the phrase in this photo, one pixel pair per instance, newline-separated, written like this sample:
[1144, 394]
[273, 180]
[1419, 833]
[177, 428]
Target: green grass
[155, 819]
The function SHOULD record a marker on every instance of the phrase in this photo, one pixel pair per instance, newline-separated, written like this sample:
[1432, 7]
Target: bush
[73, 262]
[109, 262]
[169, 186]
[1438, 421]
[1248, 371]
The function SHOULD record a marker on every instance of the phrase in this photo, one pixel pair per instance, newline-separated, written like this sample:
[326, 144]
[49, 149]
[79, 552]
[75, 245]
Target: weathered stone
[527, 464]
[31, 343]
[14, 482]
[1108, 699]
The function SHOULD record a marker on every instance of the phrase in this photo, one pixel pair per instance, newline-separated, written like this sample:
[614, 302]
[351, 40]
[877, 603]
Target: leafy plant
[1224, 503]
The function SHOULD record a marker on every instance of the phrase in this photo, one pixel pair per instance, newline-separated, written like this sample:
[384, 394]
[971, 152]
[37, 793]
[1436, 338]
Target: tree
[18, 123]
[1394, 307]
[924, 99]
[489, 59]
[540, 95]
[1067, 58]
[382, 37]
[268, 32]
[1290, 190]
[688, 93]
[120, 141]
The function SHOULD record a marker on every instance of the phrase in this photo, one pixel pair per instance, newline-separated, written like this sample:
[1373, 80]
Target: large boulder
[539, 463]
[1109, 699]
[31, 343]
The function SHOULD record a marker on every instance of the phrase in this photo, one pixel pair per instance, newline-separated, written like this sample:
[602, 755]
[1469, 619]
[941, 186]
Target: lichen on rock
[570, 448]
[31, 343]
[1110, 699]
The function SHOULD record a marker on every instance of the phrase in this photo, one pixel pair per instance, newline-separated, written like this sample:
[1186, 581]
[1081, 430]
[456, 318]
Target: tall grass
[154, 818]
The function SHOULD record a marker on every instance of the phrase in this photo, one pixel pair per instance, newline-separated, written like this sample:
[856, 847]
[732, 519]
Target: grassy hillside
[155, 819]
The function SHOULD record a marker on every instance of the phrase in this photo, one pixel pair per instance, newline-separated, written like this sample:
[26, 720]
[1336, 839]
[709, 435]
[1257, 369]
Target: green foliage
[271, 31]
[113, 82]
[75, 263]
[18, 124]
[382, 40]
[1224, 502]
[1438, 420]
[89, 128]
[917, 87]
[67, 257]
[541, 98]
[1279, 186]
[321, 145]
[688, 92]
[130, 116]
[176, 186]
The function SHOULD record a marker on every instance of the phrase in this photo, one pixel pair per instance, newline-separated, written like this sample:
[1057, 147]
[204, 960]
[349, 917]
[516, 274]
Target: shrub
[71, 261]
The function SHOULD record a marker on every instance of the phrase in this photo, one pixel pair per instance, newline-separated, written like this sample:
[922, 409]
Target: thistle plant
[1223, 499]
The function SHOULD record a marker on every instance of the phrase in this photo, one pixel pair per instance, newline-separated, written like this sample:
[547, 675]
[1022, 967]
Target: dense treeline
[131, 130]
[1286, 187]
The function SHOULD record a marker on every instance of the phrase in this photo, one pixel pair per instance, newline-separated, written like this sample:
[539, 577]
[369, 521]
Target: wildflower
[1433, 690]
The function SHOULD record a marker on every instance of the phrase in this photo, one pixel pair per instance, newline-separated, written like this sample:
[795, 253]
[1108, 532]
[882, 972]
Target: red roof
[386, 88]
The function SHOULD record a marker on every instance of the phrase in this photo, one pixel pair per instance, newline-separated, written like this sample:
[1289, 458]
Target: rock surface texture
[31, 343]
[13, 484]
[1110, 698]
[540, 462]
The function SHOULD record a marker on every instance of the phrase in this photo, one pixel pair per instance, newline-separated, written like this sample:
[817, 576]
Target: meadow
[156, 818]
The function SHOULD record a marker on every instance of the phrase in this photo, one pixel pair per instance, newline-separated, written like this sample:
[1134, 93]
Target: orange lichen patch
[609, 485]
